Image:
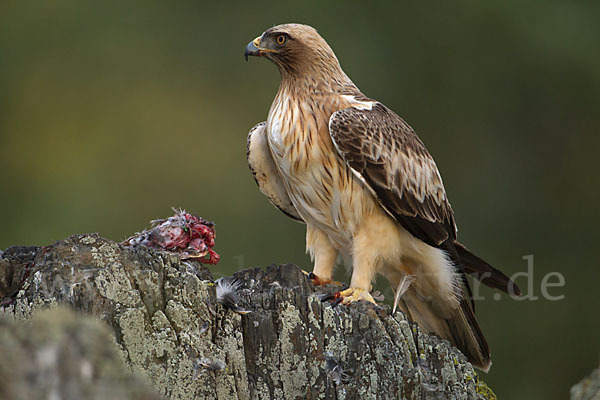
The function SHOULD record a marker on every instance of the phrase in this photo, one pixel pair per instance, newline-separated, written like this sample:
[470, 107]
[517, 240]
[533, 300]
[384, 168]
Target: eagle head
[294, 48]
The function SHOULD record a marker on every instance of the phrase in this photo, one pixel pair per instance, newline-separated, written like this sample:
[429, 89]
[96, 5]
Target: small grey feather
[335, 370]
[206, 364]
[204, 327]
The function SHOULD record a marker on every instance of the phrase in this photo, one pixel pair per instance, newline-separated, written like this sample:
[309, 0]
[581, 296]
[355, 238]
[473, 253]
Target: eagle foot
[348, 296]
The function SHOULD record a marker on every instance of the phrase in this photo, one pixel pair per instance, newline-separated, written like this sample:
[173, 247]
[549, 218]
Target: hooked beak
[253, 49]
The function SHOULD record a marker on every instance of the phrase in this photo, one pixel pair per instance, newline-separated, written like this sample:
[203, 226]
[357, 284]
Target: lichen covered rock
[169, 326]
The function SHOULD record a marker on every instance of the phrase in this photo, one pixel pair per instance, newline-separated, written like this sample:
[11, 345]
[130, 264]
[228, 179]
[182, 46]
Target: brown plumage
[367, 189]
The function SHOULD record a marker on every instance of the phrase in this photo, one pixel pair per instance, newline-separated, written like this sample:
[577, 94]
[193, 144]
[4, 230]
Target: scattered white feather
[227, 290]
[227, 295]
[403, 286]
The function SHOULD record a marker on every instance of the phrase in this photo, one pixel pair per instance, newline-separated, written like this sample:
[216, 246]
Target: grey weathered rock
[165, 318]
[588, 388]
[61, 355]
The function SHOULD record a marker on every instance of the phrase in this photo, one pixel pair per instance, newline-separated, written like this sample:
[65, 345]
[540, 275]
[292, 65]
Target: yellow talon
[355, 294]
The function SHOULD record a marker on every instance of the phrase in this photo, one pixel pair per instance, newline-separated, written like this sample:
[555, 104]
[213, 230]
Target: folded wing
[265, 171]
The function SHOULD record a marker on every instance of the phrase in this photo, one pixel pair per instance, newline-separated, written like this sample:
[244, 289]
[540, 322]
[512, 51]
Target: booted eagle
[367, 189]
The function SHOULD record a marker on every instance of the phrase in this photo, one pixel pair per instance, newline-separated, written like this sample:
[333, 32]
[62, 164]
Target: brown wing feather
[391, 159]
[384, 150]
[389, 156]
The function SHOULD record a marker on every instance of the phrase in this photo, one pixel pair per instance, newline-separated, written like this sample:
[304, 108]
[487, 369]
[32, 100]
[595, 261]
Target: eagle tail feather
[484, 272]
[459, 327]
[468, 337]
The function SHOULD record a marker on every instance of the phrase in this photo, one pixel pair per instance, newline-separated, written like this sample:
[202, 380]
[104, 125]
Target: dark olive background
[112, 112]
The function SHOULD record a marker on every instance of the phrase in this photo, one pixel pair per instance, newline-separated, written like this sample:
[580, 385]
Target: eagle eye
[281, 39]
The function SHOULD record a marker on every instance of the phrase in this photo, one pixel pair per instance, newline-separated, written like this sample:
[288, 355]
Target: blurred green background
[112, 112]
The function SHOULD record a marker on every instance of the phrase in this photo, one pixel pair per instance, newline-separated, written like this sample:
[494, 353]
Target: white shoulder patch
[360, 105]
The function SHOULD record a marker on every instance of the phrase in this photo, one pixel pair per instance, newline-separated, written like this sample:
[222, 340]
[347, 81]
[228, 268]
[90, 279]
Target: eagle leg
[323, 254]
